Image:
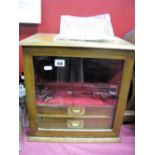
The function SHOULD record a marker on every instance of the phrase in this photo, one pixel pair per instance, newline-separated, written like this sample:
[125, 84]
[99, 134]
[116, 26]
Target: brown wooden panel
[75, 139]
[74, 123]
[75, 133]
[123, 93]
[46, 40]
[64, 110]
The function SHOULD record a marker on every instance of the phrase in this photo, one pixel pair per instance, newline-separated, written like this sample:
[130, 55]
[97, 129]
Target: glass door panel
[76, 93]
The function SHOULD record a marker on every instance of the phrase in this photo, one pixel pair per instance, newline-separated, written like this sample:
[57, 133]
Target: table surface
[125, 147]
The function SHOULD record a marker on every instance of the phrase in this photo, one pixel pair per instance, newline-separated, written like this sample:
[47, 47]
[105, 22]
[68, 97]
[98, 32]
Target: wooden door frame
[126, 55]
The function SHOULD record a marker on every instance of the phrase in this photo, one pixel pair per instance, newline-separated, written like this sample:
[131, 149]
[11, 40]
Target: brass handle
[76, 111]
[75, 124]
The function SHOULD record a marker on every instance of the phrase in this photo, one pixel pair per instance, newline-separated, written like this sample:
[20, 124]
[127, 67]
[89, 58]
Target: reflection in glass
[89, 83]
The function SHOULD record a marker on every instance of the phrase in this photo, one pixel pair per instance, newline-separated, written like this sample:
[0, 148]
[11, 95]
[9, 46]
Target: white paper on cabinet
[93, 28]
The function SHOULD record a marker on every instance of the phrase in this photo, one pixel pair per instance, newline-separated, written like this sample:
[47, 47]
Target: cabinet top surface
[46, 39]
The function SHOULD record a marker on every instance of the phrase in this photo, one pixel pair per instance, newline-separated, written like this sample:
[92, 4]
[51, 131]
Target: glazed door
[76, 93]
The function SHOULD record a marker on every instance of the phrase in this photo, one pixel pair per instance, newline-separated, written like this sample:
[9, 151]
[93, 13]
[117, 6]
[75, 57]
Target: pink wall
[122, 14]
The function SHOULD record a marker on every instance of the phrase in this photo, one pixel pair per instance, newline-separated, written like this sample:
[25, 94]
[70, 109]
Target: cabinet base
[74, 140]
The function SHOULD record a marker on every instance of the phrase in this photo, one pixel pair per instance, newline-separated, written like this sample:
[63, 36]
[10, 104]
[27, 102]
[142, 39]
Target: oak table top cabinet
[76, 90]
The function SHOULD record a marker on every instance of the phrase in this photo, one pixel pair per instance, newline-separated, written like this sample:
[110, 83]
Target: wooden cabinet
[76, 91]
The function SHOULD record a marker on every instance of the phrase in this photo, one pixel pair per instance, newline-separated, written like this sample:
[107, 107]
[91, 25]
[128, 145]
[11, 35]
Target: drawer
[77, 111]
[72, 123]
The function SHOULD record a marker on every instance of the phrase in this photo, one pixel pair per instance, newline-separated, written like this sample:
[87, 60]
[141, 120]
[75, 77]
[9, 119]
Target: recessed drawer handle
[76, 111]
[75, 124]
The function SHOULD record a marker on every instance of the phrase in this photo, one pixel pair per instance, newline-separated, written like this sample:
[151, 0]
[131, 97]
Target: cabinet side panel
[123, 93]
[30, 91]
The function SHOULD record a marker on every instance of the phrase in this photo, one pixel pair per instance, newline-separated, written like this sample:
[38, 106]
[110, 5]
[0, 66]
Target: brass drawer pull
[76, 111]
[78, 124]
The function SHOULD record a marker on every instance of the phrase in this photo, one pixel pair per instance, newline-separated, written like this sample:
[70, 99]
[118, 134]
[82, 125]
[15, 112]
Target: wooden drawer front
[77, 111]
[69, 123]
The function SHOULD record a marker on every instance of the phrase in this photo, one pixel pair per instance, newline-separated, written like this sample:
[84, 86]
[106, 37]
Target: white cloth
[85, 28]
